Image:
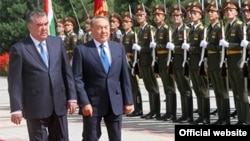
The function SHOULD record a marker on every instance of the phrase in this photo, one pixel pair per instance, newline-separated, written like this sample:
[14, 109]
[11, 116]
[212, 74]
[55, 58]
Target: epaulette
[186, 27]
[239, 22]
[165, 26]
[73, 33]
[132, 32]
[219, 25]
[201, 27]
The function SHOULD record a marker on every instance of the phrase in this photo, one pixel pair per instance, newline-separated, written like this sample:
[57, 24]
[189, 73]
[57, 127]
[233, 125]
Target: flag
[100, 7]
[49, 11]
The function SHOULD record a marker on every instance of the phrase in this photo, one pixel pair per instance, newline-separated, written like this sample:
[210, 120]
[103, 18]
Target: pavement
[134, 128]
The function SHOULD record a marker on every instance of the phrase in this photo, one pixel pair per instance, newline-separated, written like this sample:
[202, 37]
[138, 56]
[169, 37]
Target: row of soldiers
[189, 52]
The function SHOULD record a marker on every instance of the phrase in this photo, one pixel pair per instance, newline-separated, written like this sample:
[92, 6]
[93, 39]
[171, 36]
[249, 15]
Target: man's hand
[128, 109]
[224, 43]
[71, 106]
[87, 110]
[16, 118]
[203, 44]
[185, 46]
[170, 46]
[136, 47]
[152, 45]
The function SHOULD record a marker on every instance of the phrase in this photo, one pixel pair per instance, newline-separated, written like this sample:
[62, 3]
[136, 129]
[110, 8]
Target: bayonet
[85, 10]
[75, 14]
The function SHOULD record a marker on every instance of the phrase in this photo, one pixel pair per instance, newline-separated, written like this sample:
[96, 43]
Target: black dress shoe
[185, 120]
[233, 114]
[162, 117]
[221, 122]
[195, 111]
[143, 116]
[150, 116]
[204, 121]
[213, 112]
[170, 117]
[135, 113]
[198, 120]
[241, 123]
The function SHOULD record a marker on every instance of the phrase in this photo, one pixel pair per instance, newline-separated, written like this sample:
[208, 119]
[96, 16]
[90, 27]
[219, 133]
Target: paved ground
[134, 128]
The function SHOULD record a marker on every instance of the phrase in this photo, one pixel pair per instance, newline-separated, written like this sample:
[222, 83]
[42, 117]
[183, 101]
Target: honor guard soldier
[188, 13]
[178, 15]
[115, 23]
[128, 39]
[233, 38]
[245, 43]
[219, 83]
[161, 38]
[145, 36]
[60, 29]
[71, 37]
[87, 34]
[199, 82]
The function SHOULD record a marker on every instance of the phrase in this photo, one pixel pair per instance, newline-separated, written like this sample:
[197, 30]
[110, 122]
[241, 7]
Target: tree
[12, 18]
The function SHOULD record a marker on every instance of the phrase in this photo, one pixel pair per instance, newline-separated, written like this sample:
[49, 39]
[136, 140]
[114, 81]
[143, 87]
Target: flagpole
[38, 4]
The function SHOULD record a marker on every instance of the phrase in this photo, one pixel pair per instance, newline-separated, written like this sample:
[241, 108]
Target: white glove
[185, 46]
[136, 47]
[152, 45]
[244, 43]
[224, 43]
[203, 44]
[80, 34]
[170, 46]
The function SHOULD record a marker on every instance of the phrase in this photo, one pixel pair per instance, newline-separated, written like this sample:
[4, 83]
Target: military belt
[234, 52]
[162, 51]
[69, 51]
[212, 52]
[129, 54]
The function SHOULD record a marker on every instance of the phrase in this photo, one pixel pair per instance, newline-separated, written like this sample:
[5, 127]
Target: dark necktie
[43, 53]
[104, 58]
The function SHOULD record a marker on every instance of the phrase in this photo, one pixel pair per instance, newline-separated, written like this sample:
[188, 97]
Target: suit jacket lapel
[31, 48]
[96, 56]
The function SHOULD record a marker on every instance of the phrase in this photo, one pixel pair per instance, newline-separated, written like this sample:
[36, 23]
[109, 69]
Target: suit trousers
[53, 128]
[92, 127]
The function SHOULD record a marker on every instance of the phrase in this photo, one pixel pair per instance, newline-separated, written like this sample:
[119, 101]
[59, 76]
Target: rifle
[135, 69]
[202, 59]
[170, 38]
[243, 63]
[75, 14]
[223, 59]
[185, 63]
[85, 10]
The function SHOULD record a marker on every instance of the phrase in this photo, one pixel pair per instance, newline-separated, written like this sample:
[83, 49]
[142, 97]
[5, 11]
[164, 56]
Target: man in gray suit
[103, 86]
[40, 82]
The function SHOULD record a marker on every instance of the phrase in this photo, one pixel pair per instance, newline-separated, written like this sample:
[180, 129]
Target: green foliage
[12, 18]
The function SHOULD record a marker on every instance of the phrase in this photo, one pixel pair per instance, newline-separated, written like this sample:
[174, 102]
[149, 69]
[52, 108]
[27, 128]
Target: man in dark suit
[40, 82]
[103, 86]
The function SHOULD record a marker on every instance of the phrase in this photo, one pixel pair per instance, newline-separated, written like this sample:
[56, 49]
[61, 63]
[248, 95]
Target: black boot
[183, 110]
[171, 107]
[188, 110]
[243, 114]
[205, 112]
[151, 107]
[199, 107]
